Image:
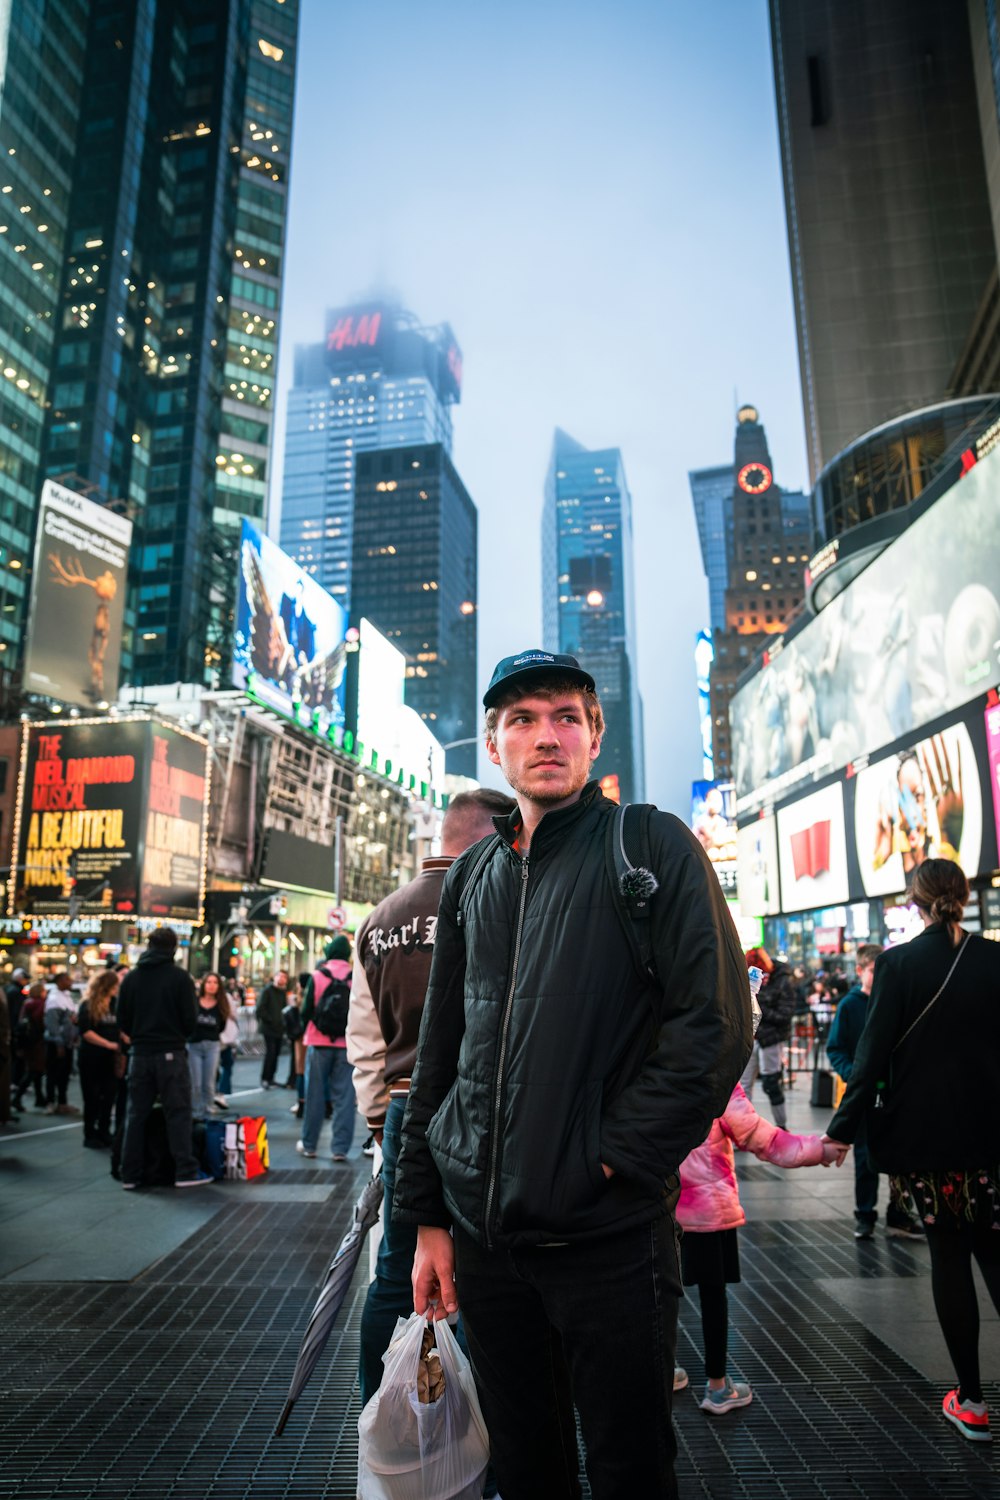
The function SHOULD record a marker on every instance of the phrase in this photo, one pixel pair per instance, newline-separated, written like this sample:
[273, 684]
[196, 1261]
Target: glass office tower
[413, 574]
[712, 497]
[156, 387]
[379, 380]
[588, 593]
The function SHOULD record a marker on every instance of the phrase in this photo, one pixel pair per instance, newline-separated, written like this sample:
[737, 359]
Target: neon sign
[354, 331]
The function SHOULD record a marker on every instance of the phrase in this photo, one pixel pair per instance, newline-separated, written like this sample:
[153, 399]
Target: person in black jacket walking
[156, 1015]
[556, 1091]
[930, 1054]
[778, 999]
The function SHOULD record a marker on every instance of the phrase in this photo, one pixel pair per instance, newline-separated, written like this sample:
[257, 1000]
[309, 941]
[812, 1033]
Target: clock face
[754, 478]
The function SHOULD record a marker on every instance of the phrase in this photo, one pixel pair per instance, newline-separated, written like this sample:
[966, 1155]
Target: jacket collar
[553, 824]
[436, 862]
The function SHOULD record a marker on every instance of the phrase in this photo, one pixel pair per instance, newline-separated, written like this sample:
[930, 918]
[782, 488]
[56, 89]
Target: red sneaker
[970, 1417]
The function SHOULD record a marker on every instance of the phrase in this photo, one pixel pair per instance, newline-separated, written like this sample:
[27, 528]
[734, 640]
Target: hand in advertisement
[946, 790]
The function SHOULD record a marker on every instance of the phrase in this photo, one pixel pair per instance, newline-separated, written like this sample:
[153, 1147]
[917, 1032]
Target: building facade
[379, 380]
[890, 226]
[414, 576]
[167, 170]
[771, 543]
[588, 593]
[712, 498]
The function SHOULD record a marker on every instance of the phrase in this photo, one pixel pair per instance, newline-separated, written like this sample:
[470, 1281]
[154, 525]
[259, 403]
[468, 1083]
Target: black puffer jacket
[541, 1053]
[778, 1000]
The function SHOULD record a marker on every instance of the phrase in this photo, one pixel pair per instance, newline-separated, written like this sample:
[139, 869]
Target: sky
[591, 197]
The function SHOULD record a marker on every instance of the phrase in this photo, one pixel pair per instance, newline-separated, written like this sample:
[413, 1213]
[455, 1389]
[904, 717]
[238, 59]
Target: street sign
[336, 918]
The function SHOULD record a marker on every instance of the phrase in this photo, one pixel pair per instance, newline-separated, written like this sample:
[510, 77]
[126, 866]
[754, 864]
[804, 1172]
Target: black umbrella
[338, 1278]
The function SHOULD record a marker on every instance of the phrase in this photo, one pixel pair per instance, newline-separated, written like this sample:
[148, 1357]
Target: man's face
[545, 746]
[281, 980]
[866, 974]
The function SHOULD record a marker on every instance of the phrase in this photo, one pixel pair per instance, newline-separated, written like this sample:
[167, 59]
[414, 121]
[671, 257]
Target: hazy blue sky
[591, 196]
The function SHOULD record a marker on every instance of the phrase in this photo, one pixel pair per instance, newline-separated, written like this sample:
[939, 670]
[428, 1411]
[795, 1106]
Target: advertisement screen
[916, 634]
[757, 868]
[77, 599]
[713, 822]
[111, 806]
[993, 760]
[387, 726]
[176, 825]
[922, 803]
[812, 851]
[289, 646]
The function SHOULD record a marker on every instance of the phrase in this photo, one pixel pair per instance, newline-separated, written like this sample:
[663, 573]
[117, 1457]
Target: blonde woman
[100, 1045]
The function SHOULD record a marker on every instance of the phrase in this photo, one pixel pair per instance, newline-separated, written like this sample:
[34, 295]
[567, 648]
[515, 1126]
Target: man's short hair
[549, 687]
[469, 815]
[867, 954]
[163, 939]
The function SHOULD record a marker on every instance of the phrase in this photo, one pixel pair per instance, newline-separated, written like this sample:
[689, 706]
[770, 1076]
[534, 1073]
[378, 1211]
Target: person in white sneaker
[709, 1211]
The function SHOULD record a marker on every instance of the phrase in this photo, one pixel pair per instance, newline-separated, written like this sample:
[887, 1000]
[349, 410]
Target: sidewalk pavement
[149, 1337]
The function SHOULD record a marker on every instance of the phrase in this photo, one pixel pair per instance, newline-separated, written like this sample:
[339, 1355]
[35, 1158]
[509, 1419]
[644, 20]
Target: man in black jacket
[156, 1014]
[555, 1093]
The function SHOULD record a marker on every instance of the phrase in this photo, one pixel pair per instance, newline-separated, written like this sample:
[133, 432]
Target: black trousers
[163, 1075]
[592, 1323]
[99, 1085]
[272, 1051]
[58, 1067]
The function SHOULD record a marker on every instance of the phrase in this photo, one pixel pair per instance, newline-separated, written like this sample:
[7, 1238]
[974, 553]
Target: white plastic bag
[411, 1451]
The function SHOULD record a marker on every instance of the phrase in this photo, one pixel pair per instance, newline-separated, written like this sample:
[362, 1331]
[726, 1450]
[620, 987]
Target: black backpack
[330, 1014]
[294, 1024]
[633, 885]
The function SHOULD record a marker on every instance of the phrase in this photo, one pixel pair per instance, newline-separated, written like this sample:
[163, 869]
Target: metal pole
[338, 836]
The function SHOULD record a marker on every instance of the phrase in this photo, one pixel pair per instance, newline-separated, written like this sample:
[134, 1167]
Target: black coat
[542, 1054]
[779, 999]
[156, 1004]
[945, 1077]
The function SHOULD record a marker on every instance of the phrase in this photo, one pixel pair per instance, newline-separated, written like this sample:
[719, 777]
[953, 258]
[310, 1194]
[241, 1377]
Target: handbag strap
[954, 966]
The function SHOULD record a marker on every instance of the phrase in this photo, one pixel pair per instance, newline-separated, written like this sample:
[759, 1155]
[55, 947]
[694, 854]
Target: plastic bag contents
[422, 1435]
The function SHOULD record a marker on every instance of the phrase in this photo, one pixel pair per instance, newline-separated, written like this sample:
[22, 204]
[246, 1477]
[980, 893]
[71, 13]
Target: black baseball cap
[527, 666]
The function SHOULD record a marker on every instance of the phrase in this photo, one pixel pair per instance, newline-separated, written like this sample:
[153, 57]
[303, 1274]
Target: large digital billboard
[713, 822]
[924, 802]
[77, 599]
[993, 760]
[916, 634]
[757, 868]
[289, 648]
[812, 850]
[387, 725]
[111, 817]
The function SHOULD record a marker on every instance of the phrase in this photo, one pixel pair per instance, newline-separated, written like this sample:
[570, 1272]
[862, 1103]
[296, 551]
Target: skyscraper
[413, 574]
[712, 497]
[588, 593]
[168, 169]
[379, 380]
[770, 546]
[889, 218]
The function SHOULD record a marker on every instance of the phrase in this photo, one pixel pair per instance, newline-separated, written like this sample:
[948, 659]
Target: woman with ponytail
[925, 1082]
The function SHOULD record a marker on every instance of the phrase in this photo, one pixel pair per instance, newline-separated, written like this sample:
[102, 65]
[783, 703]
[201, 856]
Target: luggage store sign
[110, 821]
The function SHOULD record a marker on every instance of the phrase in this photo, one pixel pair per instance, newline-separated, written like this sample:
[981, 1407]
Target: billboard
[925, 802]
[915, 635]
[352, 333]
[812, 850]
[757, 868]
[713, 822]
[120, 807]
[289, 647]
[389, 729]
[993, 760]
[77, 602]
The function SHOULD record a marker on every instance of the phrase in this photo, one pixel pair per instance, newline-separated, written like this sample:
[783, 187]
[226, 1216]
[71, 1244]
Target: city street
[149, 1338]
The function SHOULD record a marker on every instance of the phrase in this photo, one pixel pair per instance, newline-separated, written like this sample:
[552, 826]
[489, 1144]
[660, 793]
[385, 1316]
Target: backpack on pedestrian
[294, 1024]
[333, 1006]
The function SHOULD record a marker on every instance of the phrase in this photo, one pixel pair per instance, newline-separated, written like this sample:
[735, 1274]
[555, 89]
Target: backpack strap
[633, 883]
[490, 845]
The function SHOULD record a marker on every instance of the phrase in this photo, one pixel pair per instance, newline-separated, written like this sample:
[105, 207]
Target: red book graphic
[811, 850]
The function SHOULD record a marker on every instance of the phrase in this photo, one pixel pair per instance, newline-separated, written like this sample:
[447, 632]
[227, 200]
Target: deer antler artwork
[105, 586]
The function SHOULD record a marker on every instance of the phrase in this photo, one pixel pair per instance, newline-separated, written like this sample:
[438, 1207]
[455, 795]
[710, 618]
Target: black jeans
[58, 1067]
[163, 1075]
[272, 1051]
[593, 1323]
[99, 1085]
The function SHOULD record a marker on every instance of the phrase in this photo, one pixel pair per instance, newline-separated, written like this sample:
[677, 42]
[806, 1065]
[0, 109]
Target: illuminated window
[270, 50]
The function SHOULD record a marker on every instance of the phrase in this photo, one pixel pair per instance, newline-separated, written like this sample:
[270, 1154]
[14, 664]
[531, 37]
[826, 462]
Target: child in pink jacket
[710, 1212]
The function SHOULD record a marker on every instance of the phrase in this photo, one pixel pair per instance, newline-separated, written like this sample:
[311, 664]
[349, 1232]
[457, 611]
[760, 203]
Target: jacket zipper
[505, 1028]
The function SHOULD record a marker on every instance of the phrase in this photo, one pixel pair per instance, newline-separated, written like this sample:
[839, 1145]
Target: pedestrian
[16, 989]
[324, 1012]
[100, 1049]
[392, 962]
[557, 1088]
[6, 1041]
[779, 999]
[31, 1025]
[271, 1003]
[229, 1038]
[204, 1045]
[294, 1032]
[156, 1013]
[841, 1047]
[60, 1038]
[710, 1213]
[924, 1085]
